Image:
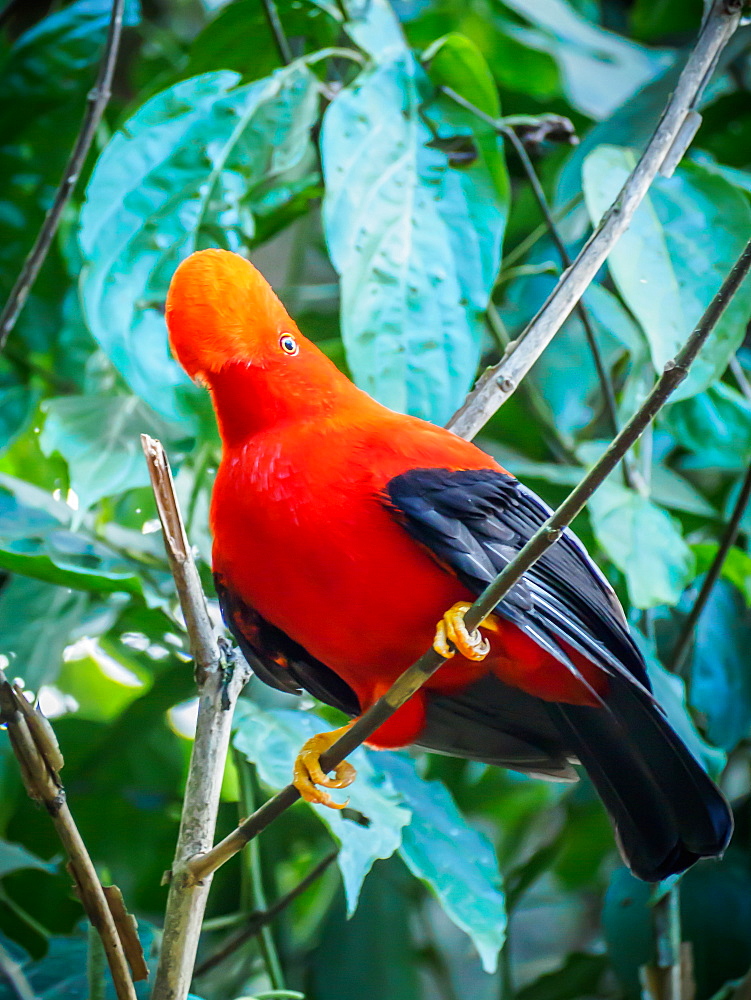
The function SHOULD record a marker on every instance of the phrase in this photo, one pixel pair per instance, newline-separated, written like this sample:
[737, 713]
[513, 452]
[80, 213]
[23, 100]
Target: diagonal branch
[687, 632]
[496, 384]
[257, 921]
[502, 127]
[98, 99]
[40, 760]
[412, 679]
[220, 675]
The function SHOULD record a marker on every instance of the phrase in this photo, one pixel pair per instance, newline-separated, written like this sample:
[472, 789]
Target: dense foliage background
[387, 220]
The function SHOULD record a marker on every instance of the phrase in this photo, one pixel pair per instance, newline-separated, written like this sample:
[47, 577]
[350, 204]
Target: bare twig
[257, 921]
[731, 531]
[38, 755]
[14, 976]
[98, 99]
[606, 385]
[740, 376]
[220, 678]
[500, 381]
[412, 679]
[277, 30]
[665, 980]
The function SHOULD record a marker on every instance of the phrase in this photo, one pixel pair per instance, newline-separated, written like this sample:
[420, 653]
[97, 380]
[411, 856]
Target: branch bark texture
[220, 675]
[499, 382]
[97, 102]
[40, 760]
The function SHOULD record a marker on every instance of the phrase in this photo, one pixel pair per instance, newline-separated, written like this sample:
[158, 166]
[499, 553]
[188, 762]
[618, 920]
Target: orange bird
[342, 533]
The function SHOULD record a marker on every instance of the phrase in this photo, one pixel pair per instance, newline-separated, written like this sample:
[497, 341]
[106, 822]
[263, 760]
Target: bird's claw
[308, 773]
[453, 636]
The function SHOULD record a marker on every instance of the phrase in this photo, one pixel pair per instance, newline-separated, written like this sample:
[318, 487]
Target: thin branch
[40, 760]
[740, 377]
[257, 921]
[277, 30]
[666, 977]
[220, 677]
[606, 385]
[683, 642]
[412, 679]
[97, 101]
[499, 382]
[14, 976]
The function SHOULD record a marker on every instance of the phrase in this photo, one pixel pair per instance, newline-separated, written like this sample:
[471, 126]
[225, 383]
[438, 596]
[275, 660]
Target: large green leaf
[201, 164]
[720, 678]
[714, 426]
[415, 241]
[271, 741]
[36, 541]
[644, 542]
[600, 69]
[99, 436]
[38, 620]
[62, 973]
[455, 61]
[456, 861]
[14, 857]
[682, 242]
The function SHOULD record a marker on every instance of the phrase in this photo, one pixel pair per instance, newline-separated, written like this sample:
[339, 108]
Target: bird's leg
[307, 772]
[453, 636]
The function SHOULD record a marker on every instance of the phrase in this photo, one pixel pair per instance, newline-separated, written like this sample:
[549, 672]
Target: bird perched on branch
[342, 533]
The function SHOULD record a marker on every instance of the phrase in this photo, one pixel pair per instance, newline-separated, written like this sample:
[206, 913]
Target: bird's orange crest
[220, 309]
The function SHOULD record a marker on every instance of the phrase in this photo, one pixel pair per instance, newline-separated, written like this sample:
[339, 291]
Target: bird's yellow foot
[307, 772]
[452, 635]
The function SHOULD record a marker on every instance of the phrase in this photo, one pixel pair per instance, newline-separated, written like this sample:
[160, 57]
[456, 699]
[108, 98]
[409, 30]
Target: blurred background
[404, 236]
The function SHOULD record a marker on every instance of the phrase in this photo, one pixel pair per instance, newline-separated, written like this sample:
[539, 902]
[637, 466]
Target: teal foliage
[401, 234]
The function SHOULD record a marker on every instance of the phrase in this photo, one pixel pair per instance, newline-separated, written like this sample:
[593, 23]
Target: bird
[348, 538]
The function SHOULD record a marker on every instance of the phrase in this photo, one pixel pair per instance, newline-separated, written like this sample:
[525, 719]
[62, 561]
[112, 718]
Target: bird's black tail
[666, 810]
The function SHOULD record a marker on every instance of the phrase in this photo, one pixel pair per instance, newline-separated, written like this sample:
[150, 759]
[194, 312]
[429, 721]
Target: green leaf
[415, 241]
[600, 69]
[736, 566]
[44, 66]
[579, 976]
[456, 861]
[455, 61]
[644, 542]
[38, 622]
[374, 27]
[99, 436]
[375, 954]
[679, 247]
[239, 37]
[36, 542]
[201, 164]
[61, 973]
[715, 426]
[720, 678]
[14, 857]
[271, 741]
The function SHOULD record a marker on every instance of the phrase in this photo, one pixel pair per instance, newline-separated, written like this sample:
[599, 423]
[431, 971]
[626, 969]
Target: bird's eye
[288, 344]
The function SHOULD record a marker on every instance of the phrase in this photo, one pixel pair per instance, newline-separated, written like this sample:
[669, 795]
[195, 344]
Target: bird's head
[221, 310]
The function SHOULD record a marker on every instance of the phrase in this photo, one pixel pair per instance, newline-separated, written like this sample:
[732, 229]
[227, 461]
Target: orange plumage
[343, 531]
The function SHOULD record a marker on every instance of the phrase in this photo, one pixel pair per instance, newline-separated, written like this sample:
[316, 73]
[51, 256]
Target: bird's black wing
[474, 522]
[666, 810]
[278, 660]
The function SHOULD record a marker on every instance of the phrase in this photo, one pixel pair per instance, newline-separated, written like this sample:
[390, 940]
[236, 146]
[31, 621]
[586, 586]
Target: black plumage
[666, 810]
